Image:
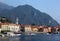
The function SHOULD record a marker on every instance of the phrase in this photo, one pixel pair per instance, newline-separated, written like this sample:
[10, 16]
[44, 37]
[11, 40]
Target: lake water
[38, 37]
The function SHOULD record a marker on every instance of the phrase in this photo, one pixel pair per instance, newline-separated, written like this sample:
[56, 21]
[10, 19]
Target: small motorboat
[12, 34]
[17, 34]
[32, 34]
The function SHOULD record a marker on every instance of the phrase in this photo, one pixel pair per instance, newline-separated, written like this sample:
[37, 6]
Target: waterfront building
[56, 29]
[14, 27]
[0, 30]
[35, 28]
[10, 27]
[4, 26]
[40, 29]
[45, 30]
[22, 28]
[49, 29]
[28, 28]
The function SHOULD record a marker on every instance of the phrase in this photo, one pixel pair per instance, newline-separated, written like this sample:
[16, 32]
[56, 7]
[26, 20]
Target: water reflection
[13, 39]
[40, 37]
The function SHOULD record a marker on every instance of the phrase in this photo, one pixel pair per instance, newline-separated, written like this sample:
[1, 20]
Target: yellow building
[49, 29]
[28, 28]
[34, 28]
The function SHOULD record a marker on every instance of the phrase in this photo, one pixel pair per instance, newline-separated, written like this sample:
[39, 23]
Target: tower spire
[17, 20]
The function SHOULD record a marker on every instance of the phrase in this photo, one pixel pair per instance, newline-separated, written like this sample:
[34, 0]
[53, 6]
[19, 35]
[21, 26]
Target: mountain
[4, 6]
[29, 15]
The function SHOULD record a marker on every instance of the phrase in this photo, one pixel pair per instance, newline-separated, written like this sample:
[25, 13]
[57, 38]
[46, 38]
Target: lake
[38, 37]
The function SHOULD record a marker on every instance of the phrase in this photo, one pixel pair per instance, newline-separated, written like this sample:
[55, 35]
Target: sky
[51, 7]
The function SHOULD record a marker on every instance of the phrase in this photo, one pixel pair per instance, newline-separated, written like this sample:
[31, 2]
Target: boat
[12, 34]
[30, 34]
[2, 35]
[17, 34]
[47, 33]
[33, 34]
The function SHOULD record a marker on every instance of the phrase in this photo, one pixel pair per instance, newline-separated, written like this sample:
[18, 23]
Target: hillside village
[26, 28]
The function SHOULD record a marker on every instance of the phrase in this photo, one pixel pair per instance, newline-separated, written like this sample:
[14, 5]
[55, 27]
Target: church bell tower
[17, 20]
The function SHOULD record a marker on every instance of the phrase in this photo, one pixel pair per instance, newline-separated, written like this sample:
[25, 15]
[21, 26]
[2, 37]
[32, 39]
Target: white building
[45, 30]
[11, 27]
[14, 27]
[0, 30]
[4, 27]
